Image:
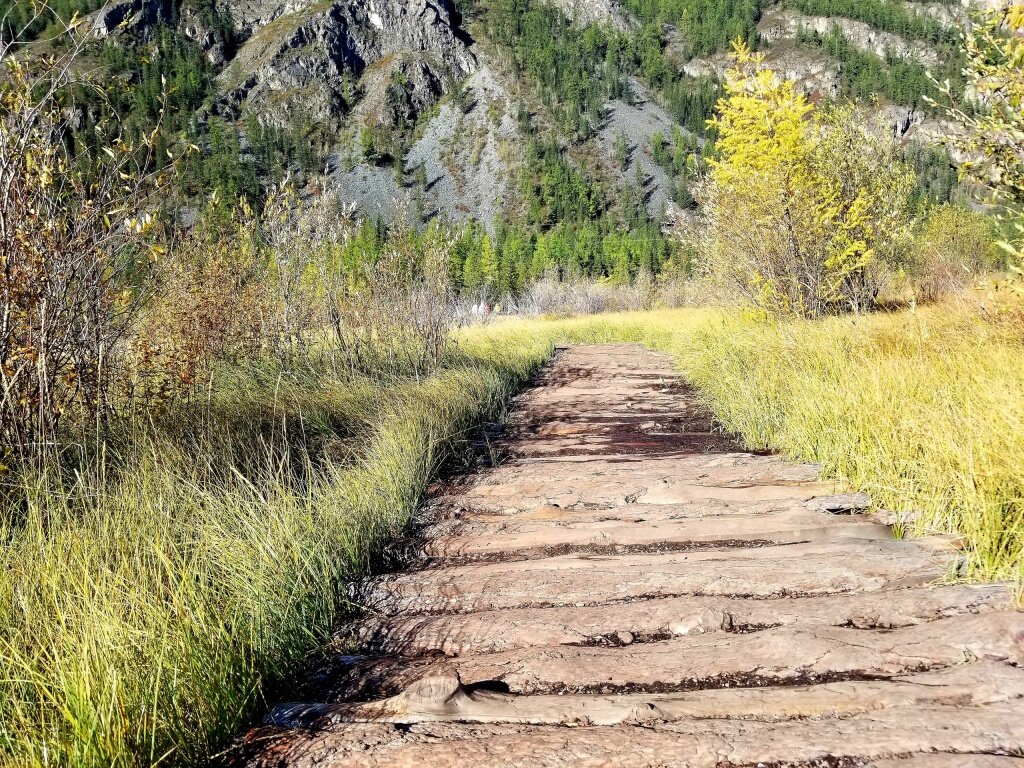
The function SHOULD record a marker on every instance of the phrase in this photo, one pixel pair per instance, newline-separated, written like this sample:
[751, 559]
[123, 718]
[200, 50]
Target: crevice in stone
[623, 638]
[850, 761]
[820, 762]
[782, 594]
[745, 680]
[560, 550]
[748, 629]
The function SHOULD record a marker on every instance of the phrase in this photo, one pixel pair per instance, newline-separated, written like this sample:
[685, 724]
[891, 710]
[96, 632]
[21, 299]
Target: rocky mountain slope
[321, 56]
[459, 166]
[324, 56]
[423, 120]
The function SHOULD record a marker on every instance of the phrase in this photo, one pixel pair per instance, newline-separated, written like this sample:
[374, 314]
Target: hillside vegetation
[172, 68]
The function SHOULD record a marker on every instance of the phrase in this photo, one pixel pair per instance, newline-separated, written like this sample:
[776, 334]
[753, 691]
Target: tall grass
[143, 612]
[924, 410]
[145, 609]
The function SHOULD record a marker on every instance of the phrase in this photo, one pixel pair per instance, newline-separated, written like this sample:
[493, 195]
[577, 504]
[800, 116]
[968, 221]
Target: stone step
[511, 498]
[944, 760]
[491, 631]
[791, 655]
[522, 537]
[953, 731]
[708, 509]
[735, 483]
[443, 697]
[581, 579]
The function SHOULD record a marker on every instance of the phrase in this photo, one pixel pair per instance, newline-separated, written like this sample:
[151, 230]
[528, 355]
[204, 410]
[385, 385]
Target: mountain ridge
[418, 111]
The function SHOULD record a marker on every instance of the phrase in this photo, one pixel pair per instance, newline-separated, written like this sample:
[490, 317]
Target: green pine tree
[542, 260]
[488, 257]
[472, 273]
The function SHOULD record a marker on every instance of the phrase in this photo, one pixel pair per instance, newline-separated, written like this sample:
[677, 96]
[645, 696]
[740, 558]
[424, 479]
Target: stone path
[630, 588]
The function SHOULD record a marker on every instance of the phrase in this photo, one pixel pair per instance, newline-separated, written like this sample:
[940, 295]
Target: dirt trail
[630, 588]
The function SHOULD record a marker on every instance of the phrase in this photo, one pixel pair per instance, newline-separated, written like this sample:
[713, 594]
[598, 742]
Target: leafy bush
[75, 250]
[397, 317]
[953, 248]
[806, 210]
[994, 140]
[579, 296]
[210, 304]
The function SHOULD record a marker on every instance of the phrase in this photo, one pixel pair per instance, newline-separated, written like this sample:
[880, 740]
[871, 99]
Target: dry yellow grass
[141, 615]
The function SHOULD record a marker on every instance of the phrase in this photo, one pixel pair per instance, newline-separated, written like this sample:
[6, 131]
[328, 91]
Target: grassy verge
[142, 614]
[924, 410]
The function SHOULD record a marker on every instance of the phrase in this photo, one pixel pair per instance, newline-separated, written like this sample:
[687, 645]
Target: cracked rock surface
[629, 587]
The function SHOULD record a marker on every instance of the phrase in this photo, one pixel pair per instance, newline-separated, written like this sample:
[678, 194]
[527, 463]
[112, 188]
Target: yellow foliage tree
[994, 143]
[804, 208]
[77, 241]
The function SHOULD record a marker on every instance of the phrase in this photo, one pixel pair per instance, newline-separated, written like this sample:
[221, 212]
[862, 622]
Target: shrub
[805, 210]
[210, 303]
[955, 245]
[75, 248]
[396, 317]
[579, 296]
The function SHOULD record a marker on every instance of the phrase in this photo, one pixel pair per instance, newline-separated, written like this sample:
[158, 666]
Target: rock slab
[630, 587]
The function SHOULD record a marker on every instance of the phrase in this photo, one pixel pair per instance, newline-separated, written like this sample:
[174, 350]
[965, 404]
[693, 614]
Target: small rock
[647, 712]
[843, 503]
[904, 517]
[709, 620]
[886, 517]
[438, 687]
[624, 638]
[691, 625]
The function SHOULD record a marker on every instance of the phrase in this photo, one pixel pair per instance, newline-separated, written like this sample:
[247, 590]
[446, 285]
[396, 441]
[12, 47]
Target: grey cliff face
[608, 12]
[313, 53]
[780, 23]
[133, 16]
[317, 53]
